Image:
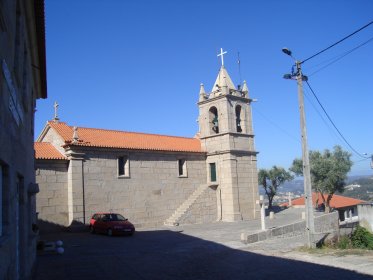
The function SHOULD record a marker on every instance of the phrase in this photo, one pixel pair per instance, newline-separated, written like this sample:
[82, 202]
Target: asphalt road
[169, 254]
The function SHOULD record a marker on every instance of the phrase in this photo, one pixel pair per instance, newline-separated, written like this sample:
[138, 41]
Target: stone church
[154, 179]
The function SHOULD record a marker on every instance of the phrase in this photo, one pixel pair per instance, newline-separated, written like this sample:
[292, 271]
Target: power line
[365, 26]
[364, 159]
[276, 125]
[327, 125]
[341, 56]
[335, 57]
[344, 139]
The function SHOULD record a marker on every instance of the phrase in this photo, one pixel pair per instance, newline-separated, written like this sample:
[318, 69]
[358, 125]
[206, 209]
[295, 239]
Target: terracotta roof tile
[47, 151]
[93, 137]
[337, 201]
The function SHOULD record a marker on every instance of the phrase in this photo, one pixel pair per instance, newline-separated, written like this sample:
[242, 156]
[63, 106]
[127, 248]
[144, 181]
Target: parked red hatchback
[111, 224]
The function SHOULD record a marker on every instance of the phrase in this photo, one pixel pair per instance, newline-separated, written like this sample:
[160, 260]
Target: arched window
[238, 118]
[214, 119]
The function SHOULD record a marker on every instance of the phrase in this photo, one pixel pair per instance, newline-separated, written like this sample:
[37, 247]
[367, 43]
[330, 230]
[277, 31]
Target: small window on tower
[182, 168]
[123, 166]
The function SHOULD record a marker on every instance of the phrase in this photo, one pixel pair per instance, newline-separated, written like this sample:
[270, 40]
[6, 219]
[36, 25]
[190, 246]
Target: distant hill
[360, 187]
[364, 192]
[295, 186]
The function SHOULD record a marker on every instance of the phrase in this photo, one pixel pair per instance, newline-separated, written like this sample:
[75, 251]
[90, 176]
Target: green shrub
[344, 242]
[362, 238]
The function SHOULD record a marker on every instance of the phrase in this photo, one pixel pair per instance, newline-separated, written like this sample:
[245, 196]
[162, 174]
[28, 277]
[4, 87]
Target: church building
[154, 179]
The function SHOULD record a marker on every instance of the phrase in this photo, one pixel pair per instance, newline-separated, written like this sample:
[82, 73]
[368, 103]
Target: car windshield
[114, 217]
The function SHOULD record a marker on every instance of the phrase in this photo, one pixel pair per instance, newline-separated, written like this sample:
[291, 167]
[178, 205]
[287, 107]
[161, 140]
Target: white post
[262, 211]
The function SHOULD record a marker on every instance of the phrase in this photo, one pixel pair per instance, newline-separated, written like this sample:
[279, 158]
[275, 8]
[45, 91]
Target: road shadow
[46, 227]
[166, 254]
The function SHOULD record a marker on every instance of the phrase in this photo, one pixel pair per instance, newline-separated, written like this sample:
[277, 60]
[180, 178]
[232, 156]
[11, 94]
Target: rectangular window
[182, 168]
[123, 166]
[213, 172]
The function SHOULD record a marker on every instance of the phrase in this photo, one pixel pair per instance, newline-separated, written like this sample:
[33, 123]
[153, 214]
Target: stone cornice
[83, 150]
[73, 155]
[230, 133]
[236, 152]
[229, 96]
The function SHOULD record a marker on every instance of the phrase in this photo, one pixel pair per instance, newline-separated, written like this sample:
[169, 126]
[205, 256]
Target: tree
[328, 172]
[271, 179]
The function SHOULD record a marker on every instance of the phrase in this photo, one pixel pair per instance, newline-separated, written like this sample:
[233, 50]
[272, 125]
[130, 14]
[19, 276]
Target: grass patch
[325, 251]
[360, 242]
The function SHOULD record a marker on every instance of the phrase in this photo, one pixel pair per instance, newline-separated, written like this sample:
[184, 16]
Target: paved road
[190, 252]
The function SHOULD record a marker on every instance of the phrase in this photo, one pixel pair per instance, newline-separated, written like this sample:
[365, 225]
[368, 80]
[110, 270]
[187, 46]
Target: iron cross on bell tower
[221, 54]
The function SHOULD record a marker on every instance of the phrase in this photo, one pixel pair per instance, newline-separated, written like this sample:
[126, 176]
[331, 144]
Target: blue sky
[137, 66]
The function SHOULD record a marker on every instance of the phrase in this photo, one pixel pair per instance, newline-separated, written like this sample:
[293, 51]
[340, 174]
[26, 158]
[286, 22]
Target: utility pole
[310, 223]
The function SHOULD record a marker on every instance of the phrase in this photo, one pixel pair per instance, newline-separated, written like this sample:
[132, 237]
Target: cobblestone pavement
[193, 252]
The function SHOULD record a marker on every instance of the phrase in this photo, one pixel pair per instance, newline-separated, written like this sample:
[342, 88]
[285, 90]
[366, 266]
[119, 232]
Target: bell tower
[226, 134]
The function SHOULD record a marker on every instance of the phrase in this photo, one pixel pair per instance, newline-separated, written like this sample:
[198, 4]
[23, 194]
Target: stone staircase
[185, 206]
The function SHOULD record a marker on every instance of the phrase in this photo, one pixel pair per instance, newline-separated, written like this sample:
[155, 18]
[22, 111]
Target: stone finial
[75, 135]
[202, 93]
[245, 89]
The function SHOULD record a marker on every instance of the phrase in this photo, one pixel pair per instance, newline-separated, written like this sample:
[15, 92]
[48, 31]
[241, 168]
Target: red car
[111, 224]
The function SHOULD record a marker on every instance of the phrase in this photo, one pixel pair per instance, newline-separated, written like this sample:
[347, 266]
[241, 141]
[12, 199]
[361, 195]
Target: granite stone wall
[20, 86]
[51, 201]
[148, 195]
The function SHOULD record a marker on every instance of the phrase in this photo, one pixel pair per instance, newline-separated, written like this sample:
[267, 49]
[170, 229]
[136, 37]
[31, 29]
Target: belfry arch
[214, 120]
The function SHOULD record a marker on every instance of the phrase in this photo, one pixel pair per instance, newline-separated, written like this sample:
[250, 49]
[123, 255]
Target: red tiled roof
[45, 150]
[93, 137]
[337, 201]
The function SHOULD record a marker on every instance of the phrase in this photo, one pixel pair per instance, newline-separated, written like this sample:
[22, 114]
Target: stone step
[184, 207]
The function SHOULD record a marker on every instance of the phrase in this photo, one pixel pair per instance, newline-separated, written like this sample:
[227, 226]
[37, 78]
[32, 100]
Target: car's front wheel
[109, 232]
[92, 229]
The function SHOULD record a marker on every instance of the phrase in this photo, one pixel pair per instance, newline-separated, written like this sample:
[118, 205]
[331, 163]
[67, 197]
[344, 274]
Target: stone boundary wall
[365, 212]
[323, 224]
